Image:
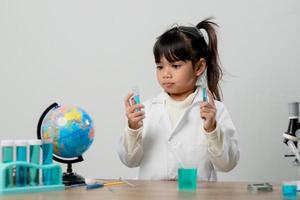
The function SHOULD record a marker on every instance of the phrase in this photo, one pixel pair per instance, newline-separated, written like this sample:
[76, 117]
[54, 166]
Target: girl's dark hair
[187, 43]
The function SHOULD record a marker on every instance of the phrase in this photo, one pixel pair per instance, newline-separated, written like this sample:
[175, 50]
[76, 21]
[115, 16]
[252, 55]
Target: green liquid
[187, 178]
[34, 158]
[7, 156]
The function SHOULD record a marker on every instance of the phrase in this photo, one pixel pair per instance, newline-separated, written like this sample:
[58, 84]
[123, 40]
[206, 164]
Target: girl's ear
[200, 66]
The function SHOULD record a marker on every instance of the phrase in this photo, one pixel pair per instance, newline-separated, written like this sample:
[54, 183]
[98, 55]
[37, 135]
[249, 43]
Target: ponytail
[214, 71]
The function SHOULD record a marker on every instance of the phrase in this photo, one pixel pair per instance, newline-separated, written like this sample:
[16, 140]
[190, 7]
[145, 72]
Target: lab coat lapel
[160, 114]
[178, 125]
[198, 98]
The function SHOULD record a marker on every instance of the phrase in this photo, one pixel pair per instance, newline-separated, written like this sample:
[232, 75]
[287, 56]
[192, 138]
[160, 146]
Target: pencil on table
[114, 183]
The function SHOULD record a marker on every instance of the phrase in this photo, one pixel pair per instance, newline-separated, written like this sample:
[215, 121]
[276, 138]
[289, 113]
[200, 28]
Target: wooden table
[162, 190]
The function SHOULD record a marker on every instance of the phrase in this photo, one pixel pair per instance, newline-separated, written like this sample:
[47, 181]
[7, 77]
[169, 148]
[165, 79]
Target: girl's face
[177, 78]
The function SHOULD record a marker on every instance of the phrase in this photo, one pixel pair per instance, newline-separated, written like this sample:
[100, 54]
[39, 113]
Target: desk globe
[72, 131]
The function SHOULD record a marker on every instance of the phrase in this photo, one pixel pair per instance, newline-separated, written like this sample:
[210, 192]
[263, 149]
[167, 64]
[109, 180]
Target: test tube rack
[56, 178]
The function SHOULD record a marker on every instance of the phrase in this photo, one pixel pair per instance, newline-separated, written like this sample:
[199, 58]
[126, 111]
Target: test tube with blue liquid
[204, 94]
[21, 155]
[47, 147]
[7, 157]
[34, 157]
[136, 96]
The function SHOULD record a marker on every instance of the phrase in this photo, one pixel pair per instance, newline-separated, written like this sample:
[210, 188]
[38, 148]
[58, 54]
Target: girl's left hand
[208, 113]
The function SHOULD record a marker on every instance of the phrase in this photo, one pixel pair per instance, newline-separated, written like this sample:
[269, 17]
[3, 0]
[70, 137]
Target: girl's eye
[176, 66]
[159, 67]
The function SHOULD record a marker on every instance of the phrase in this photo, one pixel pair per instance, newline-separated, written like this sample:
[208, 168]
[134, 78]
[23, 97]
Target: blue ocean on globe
[71, 130]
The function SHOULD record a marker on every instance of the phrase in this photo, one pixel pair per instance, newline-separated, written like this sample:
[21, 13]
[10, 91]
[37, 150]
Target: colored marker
[94, 186]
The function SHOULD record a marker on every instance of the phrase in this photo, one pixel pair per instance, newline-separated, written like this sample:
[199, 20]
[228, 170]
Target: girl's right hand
[134, 117]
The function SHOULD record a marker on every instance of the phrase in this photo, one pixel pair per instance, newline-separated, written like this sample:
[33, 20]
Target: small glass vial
[34, 157]
[21, 155]
[136, 96]
[7, 157]
[47, 147]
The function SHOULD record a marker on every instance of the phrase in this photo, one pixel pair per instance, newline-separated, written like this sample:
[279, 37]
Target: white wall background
[89, 53]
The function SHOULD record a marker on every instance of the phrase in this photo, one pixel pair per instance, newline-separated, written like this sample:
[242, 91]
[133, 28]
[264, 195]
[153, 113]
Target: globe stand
[69, 177]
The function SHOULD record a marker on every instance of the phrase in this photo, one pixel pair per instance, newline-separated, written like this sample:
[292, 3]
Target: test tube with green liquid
[7, 157]
[34, 157]
[47, 147]
[21, 155]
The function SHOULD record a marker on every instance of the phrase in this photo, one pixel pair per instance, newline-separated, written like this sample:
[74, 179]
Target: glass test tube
[136, 96]
[21, 171]
[204, 94]
[34, 157]
[8, 156]
[47, 147]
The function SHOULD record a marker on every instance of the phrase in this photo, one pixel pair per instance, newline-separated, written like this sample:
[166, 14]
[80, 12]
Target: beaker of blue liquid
[7, 157]
[47, 148]
[187, 179]
[289, 190]
[187, 172]
[21, 155]
[34, 157]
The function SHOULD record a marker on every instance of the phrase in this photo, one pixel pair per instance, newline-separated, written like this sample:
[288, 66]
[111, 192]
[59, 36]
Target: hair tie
[204, 34]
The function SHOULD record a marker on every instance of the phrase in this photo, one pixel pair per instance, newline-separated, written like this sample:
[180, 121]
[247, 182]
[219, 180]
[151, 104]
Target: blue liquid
[47, 159]
[187, 178]
[34, 157]
[21, 172]
[136, 99]
[289, 191]
[204, 94]
[7, 156]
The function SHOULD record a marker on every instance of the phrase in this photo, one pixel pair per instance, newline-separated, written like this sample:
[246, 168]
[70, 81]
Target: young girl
[179, 128]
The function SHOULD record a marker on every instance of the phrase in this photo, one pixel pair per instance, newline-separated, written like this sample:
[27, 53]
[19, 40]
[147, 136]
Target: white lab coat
[161, 148]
